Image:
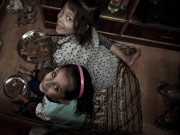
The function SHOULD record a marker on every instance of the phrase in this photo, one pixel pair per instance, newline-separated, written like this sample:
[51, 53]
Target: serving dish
[14, 85]
[34, 46]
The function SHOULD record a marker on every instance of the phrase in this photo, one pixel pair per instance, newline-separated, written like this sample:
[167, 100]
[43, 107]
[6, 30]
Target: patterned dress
[97, 59]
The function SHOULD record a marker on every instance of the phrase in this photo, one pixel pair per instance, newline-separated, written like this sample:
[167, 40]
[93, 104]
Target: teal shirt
[63, 115]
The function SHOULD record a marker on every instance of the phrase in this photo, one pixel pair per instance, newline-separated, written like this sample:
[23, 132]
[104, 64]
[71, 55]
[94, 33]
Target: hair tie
[82, 81]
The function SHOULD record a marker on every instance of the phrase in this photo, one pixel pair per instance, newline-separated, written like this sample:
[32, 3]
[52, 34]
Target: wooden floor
[153, 66]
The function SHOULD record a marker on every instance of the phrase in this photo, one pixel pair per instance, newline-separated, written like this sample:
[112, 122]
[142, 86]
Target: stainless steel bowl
[43, 39]
[14, 85]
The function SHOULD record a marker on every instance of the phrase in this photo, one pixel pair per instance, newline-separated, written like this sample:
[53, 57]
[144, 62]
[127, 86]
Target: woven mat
[117, 109]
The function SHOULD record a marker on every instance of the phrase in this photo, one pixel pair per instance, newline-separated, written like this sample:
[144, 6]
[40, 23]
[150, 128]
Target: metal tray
[15, 85]
[34, 46]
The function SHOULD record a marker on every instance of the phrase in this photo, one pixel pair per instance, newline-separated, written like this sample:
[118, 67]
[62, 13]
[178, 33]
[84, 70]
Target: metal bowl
[15, 85]
[34, 46]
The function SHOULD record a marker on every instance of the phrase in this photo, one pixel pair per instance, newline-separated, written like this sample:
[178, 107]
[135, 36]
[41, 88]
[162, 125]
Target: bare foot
[131, 58]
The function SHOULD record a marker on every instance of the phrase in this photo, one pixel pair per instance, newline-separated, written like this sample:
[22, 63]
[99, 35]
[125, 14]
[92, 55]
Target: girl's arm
[106, 42]
[28, 106]
[112, 46]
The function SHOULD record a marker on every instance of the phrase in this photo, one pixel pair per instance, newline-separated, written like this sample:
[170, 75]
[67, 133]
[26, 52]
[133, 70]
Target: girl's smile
[59, 27]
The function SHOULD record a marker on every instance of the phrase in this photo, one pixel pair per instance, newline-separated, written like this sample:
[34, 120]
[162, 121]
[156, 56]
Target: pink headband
[82, 81]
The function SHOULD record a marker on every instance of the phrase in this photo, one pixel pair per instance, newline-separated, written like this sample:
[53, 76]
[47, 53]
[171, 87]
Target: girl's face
[56, 83]
[65, 21]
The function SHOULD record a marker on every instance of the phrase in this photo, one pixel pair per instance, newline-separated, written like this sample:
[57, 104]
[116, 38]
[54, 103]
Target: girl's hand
[20, 99]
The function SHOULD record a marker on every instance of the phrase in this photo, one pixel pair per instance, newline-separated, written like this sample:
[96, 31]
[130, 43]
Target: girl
[83, 45]
[68, 94]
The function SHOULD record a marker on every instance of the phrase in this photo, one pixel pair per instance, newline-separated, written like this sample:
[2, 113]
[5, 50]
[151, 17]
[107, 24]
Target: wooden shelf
[121, 25]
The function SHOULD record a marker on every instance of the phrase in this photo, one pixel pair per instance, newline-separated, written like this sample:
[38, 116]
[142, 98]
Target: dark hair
[84, 103]
[87, 13]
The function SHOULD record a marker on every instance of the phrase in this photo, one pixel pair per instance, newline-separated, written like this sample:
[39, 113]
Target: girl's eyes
[56, 88]
[68, 18]
[54, 74]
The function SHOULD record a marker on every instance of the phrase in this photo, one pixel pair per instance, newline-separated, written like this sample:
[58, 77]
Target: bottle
[114, 5]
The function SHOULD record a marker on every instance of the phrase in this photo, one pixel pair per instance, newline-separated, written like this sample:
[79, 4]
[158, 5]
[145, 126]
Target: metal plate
[34, 46]
[15, 85]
